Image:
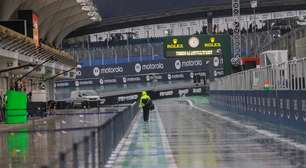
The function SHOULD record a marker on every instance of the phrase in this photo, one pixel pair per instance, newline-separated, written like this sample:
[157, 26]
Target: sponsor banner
[211, 48]
[120, 99]
[156, 67]
[178, 92]
[130, 79]
[132, 97]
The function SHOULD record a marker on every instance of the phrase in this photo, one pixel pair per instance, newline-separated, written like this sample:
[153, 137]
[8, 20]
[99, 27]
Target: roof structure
[57, 18]
[122, 13]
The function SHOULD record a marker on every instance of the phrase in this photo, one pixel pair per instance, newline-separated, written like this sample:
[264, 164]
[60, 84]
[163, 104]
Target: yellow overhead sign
[175, 44]
[212, 43]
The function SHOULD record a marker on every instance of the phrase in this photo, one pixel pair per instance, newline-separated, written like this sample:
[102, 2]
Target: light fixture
[91, 14]
[94, 18]
[89, 7]
[82, 1]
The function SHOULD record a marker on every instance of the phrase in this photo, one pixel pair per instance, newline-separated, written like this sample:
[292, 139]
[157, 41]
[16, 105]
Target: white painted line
[165, 142]
[122, 148]
[254, 128]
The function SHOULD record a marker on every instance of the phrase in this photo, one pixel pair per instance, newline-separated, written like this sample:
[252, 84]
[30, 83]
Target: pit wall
[135, 96]
[281, 107]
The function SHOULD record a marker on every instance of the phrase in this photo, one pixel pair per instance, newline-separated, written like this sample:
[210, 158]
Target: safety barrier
[286, 76]
[134, 96]
[276, 93]
[286, 107]
[95, 149]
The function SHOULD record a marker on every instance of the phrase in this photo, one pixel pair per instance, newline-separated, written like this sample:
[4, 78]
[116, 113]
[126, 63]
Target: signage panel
[199, 46]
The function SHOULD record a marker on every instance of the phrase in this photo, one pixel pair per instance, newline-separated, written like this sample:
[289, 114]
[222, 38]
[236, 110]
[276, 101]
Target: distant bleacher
[118, 51]
[101, 53]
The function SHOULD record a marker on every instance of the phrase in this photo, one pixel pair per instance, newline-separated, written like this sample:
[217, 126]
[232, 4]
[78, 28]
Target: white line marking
[122, 148]
[165, 142]
[254, 128]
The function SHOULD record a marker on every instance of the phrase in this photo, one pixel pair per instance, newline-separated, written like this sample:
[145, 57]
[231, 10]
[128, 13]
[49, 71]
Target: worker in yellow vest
[146, 104]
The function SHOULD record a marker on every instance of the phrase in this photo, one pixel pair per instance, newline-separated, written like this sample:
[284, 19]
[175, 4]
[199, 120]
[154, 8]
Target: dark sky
[119, 8]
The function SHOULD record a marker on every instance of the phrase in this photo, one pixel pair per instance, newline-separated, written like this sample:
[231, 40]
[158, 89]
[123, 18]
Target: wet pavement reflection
[41, 143]
[178, 135]
[198, 139]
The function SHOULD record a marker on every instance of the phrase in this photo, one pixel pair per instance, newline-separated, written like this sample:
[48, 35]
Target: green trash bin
[16, 107]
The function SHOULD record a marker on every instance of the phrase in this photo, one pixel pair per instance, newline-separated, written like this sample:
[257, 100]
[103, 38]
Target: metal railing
[290, 75]
[117, 54]
[95, 149]
[250, 42]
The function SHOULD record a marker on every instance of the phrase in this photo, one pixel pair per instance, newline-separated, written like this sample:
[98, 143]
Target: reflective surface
[198, 139]
[177, 135]
[41, 143]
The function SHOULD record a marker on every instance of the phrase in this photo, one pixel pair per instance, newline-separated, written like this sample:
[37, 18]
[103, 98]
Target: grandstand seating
[118, 54]
[119, 50]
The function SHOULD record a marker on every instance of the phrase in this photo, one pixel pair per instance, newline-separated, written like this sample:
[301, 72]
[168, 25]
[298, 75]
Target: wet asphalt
[40, 144]
[201, 140]
[190, 136]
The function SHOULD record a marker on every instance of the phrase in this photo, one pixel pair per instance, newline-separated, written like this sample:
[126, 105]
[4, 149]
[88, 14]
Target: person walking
[146, 105]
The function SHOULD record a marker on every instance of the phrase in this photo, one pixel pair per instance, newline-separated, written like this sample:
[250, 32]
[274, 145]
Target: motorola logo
[109, 70]
[191, 75]
[124, 79]
[169, 76]
[192, 63]
[216, 62]
[96, 71]
[178, 64]
[157, 66]
[101, 81]
[77, 83]
[148, 78]
[137, 67]
[78, 73]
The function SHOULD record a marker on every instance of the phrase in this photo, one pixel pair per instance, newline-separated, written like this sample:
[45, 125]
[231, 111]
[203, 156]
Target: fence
[286, 76]
[275, 93]
[117, 54]
[286, 42]
[95, 149]
[250, 42]
[147, 50]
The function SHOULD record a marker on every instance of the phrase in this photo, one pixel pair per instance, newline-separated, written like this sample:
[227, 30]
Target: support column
[236, 33]
[209, 23]
[50, 90]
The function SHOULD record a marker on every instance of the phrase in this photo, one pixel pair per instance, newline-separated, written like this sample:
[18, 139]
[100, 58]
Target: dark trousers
[146, 113]
[1, 114]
